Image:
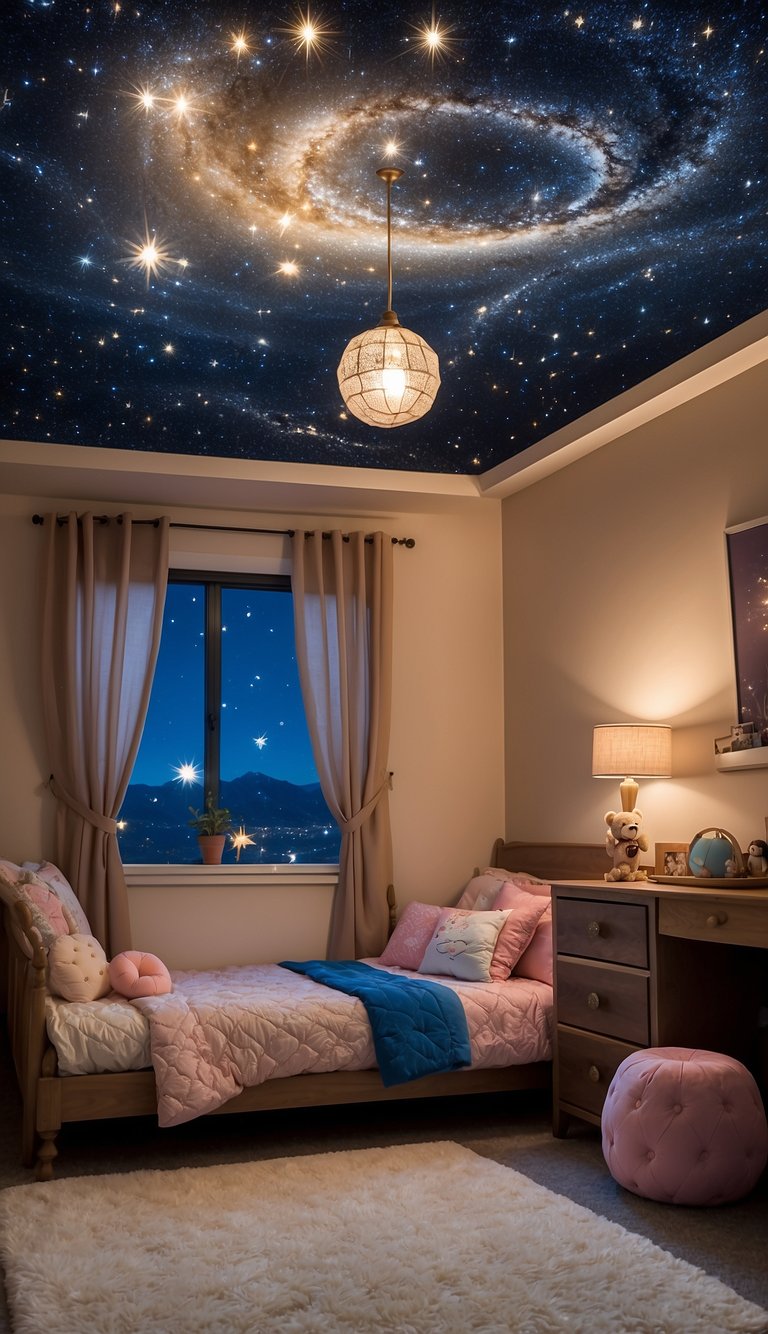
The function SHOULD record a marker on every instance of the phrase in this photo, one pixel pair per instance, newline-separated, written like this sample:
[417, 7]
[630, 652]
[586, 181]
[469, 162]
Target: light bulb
[393, 380]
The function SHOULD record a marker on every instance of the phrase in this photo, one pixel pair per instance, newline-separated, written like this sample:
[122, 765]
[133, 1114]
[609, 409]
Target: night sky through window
[193, 228]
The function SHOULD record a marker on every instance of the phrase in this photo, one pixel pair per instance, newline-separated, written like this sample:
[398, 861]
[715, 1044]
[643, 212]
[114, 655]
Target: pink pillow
[49, 916]
[479, 893]
[57, 881]
[536, 961]
[50, 905]
[405, 947]
[134, 974]
[518, 930]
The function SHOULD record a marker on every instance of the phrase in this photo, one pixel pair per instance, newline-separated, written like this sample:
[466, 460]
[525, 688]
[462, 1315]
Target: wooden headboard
[553, 861]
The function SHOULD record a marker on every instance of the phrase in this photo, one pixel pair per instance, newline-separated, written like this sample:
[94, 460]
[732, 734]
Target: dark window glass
[226, 717]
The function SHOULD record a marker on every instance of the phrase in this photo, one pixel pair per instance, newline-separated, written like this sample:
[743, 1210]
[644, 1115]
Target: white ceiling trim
[735, 352]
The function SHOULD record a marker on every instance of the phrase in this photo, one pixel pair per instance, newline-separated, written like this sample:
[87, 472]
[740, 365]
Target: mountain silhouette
[291, 819]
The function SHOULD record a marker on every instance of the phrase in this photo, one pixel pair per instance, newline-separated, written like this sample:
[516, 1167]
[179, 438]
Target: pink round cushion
[135, 974]
[684, 1126]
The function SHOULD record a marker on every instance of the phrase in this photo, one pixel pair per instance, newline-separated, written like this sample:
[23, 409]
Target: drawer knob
[593, 928]
[717, 919]
[594, 1074]
[593, 1000]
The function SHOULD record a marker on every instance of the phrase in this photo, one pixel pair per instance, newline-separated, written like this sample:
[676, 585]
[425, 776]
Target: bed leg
[45, 1155]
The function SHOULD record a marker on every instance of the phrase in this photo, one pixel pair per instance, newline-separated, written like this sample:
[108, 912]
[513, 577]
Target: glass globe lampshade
[388, 375]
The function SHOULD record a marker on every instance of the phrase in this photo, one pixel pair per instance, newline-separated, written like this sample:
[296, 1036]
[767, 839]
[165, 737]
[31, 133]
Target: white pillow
[462, 944]
[77, 968]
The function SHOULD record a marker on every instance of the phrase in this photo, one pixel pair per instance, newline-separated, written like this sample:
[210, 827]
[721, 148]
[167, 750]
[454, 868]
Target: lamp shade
[388, 376]
[629, 750]
[643, 750]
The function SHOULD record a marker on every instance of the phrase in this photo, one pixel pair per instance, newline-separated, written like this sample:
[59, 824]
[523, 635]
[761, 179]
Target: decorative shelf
[733, 760]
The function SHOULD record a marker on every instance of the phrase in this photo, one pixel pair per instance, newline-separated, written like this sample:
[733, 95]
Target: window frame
[214, 581]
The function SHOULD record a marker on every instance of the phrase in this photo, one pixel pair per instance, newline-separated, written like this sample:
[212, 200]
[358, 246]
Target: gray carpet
[729, 1242]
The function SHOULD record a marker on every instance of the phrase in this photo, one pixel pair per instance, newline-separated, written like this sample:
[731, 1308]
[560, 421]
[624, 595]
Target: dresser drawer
[734, 923]
[586, 1065]
[595, 930]
[604, 999]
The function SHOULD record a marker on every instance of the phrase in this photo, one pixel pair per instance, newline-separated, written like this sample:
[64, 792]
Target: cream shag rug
[420, 1238]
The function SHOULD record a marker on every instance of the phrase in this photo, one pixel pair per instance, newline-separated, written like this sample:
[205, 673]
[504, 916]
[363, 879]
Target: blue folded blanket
[419, 1028]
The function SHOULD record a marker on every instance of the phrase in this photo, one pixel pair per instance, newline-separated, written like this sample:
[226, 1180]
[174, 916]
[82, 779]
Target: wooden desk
[644, 965]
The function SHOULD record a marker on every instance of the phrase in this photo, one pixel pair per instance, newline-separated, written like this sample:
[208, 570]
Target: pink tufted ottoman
[684, 1126]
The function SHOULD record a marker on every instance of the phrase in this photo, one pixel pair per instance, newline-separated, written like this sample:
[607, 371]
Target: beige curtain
[104, 591]
[342, 595]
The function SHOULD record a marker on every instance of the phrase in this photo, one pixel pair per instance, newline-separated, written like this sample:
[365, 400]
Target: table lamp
[626, 750]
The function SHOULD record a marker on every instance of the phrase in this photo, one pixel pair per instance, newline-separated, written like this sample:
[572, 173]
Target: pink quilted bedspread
[222, 1031]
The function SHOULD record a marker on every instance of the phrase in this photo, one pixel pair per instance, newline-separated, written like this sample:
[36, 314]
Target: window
[226, 717]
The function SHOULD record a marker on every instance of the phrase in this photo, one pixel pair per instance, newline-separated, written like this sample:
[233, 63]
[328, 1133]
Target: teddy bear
[624, 843]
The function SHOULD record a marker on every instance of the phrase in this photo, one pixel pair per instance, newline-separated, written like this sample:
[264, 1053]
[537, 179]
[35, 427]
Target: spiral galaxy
[196, 228]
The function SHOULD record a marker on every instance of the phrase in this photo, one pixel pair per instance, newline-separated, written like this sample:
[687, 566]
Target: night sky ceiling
[192, 226]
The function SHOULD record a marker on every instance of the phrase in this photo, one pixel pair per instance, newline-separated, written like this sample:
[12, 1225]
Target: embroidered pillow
[58, 882]
[48, 913]
[462, 944]
[77, 968]
[526, 911]
[405, 947]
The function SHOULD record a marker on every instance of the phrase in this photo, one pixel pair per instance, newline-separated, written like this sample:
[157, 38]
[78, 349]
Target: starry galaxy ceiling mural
[193, 227]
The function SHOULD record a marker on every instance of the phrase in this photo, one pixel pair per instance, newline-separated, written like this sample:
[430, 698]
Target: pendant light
[388, 376]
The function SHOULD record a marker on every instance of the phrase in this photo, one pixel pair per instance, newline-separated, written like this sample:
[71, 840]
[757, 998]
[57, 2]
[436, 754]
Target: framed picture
[747, 550]
[723, 745]
[671, 859]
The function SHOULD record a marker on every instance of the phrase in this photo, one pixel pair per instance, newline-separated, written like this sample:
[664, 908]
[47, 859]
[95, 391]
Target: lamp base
[628, 791]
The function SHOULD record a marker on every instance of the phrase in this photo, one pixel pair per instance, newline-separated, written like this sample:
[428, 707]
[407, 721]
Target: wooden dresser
[651, 965]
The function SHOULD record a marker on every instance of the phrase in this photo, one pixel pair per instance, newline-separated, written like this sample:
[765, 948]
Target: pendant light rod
[388, 376]
[389, 174]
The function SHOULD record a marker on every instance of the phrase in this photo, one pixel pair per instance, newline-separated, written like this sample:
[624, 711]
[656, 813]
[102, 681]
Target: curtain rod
[220, 528]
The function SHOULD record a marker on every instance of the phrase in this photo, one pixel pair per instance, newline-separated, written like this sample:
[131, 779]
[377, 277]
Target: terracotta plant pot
[212, 848]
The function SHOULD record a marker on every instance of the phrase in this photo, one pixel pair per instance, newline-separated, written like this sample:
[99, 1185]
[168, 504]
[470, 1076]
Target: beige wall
[447, 736]
[616, 608]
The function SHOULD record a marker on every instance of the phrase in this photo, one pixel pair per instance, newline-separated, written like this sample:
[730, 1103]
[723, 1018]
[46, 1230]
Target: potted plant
[212, 825]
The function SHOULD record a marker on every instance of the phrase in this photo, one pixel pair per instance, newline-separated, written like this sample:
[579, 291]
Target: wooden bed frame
[50, 1100]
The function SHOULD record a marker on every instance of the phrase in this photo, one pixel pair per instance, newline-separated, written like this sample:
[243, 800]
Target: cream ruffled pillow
[77, 968]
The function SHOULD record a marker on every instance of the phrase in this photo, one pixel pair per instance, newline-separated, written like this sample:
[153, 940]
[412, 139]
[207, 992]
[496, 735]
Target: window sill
[197, 876]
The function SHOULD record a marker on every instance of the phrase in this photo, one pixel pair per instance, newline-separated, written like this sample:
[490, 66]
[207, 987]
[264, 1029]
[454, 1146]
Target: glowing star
[284, 223]
[579, 21]
[707, 32]
[241, 840]
[143, 98]
[289, 268]
[309, 34]
[433, 40]
[169, 348]
[260, 741]
[187, 774]
[181, 105]
[637, 24]
[149, 254]
[239, 45]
